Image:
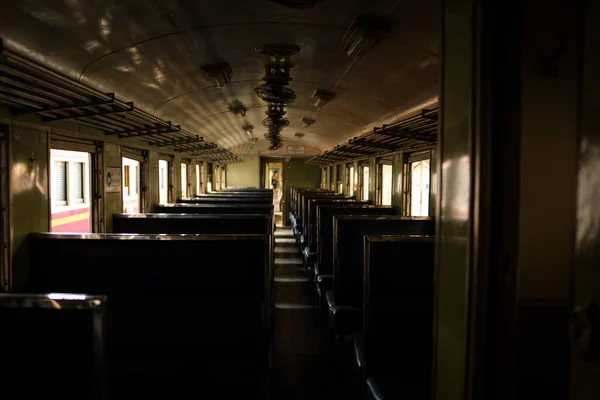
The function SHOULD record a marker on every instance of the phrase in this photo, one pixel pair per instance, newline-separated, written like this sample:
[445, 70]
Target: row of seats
[177, 302]
[372, 273]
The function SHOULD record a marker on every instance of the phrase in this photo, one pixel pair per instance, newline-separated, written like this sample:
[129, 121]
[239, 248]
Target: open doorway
[131, 185]
[274, 180]
[70, 188]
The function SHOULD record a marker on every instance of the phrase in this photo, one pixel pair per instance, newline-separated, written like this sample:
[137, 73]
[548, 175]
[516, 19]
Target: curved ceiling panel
[151, 52]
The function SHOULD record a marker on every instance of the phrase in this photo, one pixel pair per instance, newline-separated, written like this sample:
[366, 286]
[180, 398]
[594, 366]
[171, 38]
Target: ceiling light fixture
[320, 97]
[363, 34]
[307, 122]
[219, 73]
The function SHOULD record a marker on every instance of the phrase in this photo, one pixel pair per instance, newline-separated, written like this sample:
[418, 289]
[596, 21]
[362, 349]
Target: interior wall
[455, 217]
[397, 181]
[245, 174]
[153, 188]
[585, 384]
[113, 202]
[296, 173]
[28, 195]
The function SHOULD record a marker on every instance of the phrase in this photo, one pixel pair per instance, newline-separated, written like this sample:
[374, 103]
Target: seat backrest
[205, 208]
[200, 299]
[348, 248]
[298, 199]
[325, 215]
[306, 197]
[53, 345]
[193, 223]
[225, 200]
[398, 309]
[312, 216]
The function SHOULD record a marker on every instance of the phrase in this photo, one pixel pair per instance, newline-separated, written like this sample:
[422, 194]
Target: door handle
[585, 331]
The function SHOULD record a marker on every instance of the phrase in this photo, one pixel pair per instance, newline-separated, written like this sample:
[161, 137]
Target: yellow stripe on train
[70, 219]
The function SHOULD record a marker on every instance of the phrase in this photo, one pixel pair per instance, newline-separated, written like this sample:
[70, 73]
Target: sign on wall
[296, 149]
[112, 179]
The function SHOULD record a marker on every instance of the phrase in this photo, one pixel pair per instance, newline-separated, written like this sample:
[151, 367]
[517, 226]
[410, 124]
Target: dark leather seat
[183, 311]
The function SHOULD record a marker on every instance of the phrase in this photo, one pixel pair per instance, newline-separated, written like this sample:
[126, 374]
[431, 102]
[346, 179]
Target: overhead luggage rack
[29, 88]
[419, 131]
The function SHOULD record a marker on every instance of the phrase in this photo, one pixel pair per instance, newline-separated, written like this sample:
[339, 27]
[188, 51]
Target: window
[351, 187]
[365, 183]
[183, 180]
[197, 179]
[163, 182]
[386, 185]
[60, 168]
[419, 195]
[78, 172]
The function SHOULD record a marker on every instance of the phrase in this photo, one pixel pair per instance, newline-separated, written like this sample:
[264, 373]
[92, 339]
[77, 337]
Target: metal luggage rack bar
[413, 133]
[28, 87]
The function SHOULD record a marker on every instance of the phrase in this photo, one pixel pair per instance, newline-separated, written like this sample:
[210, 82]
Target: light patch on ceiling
[75, 5]
[159, 76]
[92, 45]
[105, 28]
[125, 68]
[51, 18]
[136, 58]
[152, 85]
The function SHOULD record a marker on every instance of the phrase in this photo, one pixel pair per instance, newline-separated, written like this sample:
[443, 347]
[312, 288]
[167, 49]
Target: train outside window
[70, 191]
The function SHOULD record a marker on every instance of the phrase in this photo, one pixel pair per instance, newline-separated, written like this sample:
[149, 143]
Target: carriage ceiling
[151, 52]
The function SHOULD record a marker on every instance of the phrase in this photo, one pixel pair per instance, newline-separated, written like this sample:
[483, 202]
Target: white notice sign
[112, 179]
[296, 149]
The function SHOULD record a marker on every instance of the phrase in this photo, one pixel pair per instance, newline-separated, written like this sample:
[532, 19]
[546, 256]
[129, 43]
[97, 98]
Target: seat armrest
[324, 283]
[358, 345]
[373, 392]
[344, 320]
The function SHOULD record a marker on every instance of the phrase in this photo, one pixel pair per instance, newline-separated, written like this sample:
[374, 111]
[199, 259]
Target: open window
[365, 182]
[418, 181]
[70, 188]
[184, 180]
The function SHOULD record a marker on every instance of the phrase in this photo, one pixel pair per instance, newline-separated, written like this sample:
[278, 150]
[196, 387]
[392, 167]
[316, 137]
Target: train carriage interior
[300, 199]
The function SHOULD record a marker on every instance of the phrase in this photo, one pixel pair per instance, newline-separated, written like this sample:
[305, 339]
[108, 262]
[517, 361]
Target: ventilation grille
[275, 94]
